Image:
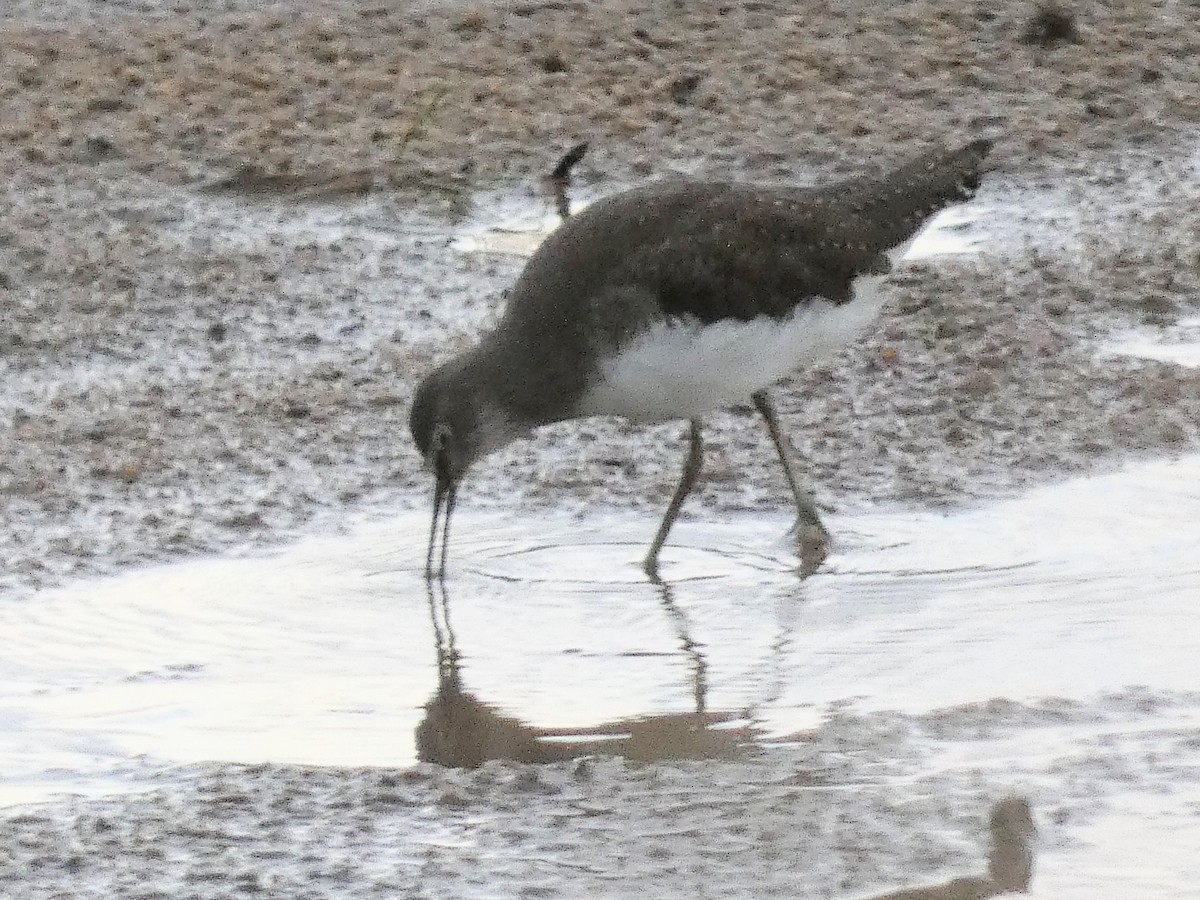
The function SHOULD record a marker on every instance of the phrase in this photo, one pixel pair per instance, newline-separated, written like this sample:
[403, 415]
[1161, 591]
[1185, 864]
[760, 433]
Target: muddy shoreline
[228, 254]
[857, 807]
[190, 370]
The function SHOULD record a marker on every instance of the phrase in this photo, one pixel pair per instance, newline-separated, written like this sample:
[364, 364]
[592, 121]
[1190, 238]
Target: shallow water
[328, 652]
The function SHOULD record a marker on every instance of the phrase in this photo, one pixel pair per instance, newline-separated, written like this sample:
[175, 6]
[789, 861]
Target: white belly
[684, 370]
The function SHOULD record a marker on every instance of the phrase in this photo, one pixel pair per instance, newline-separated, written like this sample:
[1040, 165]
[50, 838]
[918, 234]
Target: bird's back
[719, 250]
[708, 253]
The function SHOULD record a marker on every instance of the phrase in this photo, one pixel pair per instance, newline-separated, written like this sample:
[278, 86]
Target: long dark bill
[444, 494]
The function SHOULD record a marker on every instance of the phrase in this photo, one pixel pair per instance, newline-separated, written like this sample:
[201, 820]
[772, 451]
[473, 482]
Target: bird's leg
[812, 539]
[691, 469]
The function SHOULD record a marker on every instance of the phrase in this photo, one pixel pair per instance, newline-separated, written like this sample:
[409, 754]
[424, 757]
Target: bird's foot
[812, 546]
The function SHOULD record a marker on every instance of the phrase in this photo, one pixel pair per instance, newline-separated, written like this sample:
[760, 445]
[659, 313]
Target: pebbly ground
[226, 257]
[211, 333]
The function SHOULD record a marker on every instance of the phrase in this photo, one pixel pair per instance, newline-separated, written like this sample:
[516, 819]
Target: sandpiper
[672, 300]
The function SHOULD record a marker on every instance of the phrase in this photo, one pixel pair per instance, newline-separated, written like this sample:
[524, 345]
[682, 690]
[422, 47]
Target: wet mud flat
[230, 250]
[208, 347]
[864, 804]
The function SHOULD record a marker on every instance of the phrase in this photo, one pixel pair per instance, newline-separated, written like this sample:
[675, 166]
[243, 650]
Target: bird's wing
[741, 251]
[713, 251]
[751, 252]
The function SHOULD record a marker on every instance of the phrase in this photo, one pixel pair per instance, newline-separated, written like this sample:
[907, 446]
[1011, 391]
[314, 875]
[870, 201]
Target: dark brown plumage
[717, 250]
[641, 277]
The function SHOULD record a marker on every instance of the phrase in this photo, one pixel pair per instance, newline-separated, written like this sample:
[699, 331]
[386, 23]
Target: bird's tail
[892, 208]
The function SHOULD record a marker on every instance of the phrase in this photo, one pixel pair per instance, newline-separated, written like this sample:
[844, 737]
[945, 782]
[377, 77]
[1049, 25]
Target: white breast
[683, 369]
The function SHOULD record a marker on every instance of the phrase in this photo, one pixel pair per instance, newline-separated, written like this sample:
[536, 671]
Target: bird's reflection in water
[460, 730]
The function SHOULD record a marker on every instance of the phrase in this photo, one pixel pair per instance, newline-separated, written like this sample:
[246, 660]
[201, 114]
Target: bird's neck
[531, 382]
[480, 380]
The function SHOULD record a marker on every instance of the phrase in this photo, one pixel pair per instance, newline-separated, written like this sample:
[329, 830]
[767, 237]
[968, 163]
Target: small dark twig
[567, 163]
[560, 179]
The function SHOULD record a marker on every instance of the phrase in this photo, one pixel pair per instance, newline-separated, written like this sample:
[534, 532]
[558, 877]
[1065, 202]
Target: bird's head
[442, 422]
[444, 425]
[453, 424]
